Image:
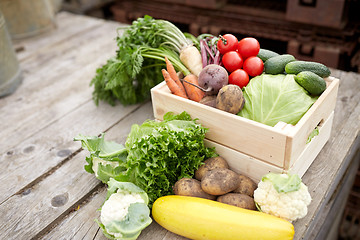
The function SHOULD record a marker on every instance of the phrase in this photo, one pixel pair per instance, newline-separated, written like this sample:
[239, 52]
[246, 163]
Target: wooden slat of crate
[242, 163]
[256, 168]
[317, 114]
[313, 148]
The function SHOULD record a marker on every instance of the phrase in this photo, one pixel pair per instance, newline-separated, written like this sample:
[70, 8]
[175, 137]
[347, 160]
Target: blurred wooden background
[326, 31]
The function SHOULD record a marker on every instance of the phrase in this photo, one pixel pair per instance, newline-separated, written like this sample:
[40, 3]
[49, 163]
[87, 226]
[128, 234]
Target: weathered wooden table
[45, 192]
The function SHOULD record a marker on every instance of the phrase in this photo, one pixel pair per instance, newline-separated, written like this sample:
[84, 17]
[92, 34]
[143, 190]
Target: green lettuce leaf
[107, 158]
[112, 237]
[273, 98]
[283, 182]
[313, 134]
[160, 153]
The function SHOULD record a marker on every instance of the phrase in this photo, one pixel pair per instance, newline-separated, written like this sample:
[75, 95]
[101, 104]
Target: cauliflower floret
[287, 205]
[116, 208]
[97, 161]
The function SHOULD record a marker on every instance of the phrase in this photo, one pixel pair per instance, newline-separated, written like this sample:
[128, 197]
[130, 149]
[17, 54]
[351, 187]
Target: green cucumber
[276, 65]
[265, 54]
[311, 82]
[315, 67]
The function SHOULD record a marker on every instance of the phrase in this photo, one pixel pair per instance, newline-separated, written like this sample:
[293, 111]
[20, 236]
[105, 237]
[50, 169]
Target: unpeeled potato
[210, 164]
[220, 181]
[191, 187]
[238, 200]
[230, 99]
[246, 186]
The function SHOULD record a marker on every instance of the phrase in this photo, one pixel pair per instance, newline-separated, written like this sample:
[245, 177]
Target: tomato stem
[223, 39]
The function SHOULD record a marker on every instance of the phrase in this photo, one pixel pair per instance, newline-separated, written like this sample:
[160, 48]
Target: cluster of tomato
[240, 58]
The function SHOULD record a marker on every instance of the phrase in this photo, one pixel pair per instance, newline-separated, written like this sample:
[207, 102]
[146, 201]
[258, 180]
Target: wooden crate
[253, 147]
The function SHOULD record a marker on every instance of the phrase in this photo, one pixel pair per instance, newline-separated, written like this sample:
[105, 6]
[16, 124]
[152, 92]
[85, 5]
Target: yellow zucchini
[198, 218]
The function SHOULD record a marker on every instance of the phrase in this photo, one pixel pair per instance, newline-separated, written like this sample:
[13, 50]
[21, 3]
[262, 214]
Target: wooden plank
[45, 50]
[69, 227]
[32, 210]
[336, 205]
[69, 180]
[69, 25]
[53, 144]
[57, 88]
[228, 129]
[47, 63]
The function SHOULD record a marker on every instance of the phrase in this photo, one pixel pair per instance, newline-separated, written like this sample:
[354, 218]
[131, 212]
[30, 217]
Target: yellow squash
[198, 218]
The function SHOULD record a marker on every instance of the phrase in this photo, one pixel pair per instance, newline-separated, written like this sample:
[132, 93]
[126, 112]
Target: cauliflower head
[282, 195]
[125, 213]
[117, 207]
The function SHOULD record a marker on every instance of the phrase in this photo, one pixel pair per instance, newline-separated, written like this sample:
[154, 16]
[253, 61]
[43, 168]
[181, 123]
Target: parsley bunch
[136, 67]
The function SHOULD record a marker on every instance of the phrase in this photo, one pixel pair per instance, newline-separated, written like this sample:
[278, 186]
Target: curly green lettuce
[157, 154]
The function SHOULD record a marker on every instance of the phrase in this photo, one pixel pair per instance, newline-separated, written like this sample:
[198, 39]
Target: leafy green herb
[136, 67]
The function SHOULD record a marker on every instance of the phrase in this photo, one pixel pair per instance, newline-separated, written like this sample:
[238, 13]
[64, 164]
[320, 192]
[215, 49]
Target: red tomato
[248, 47]
[232, 61]
[254, 66]
[230, 45]
[239, 77]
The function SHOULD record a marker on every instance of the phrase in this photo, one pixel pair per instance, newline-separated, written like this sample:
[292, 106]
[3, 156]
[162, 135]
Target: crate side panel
[249, 137]
[313, 148]
[318, 113]
[243, 164]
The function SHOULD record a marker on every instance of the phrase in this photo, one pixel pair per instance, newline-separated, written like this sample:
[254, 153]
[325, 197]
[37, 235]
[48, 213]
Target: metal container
[26, 18]
[10, 73]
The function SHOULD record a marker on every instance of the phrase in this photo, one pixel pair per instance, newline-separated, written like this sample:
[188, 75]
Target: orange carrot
[193, 93]
[171, 70]
[174, 88]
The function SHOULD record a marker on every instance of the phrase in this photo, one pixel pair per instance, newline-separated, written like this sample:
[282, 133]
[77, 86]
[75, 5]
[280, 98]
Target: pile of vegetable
[234, 205]
[162, 159]
[241, 78]
[215, 181]
[155, 156]
[197, 68]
